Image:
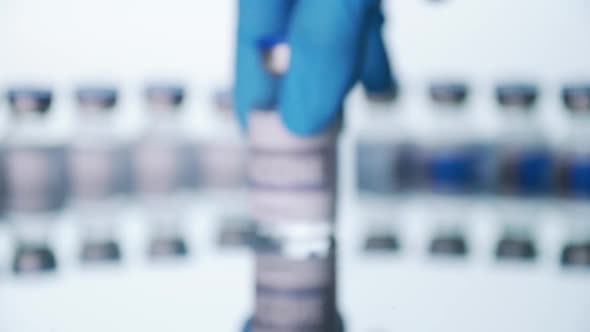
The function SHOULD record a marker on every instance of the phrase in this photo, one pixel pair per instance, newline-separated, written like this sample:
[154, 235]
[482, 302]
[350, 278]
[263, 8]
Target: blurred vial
[161, 169]
[525, 166]
[386, 159]
[33, 164]
[96, 171]
[451, 164]
[574, 176]
[223, 105]
[292, 194]
[221, 166]
[292, 179]
[222, 153]
[295, 281]
[221, 160]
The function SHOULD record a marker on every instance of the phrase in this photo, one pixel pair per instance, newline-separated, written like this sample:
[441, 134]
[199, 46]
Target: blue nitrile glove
[333, 44]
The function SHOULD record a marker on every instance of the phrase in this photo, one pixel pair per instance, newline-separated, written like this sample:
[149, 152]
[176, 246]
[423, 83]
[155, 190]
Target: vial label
[221, 166]
[385, 168]
[94, 172]
[451, 170]
[294, 294]
[266, 131]
[574, 176]
[158, 168]
[34, 178]
[290, 177]
[275, 205]
[460, 170]
[526, 172]
[297, 171]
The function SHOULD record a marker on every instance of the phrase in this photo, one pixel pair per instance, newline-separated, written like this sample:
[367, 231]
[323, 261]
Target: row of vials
[519, 174]
[95, 174]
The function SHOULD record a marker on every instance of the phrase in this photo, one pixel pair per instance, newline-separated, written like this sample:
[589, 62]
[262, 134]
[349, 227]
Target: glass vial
[574, 176]
[33, 160]
[161, 169]
[524, 171]
[450, 168]
[96, 172]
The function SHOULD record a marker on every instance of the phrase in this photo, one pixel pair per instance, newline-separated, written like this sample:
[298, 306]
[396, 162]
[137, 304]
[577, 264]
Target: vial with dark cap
[385, 166]
[221, 151]
[450, 167]
[96, 167]
[161, 164]
[34, 176]
[221, 170]
[525, 160]
[525, 170]
[574, 176]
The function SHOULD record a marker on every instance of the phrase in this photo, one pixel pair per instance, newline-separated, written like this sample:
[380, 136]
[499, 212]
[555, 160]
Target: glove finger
[377, 76]
[253, 84]
[327, 38]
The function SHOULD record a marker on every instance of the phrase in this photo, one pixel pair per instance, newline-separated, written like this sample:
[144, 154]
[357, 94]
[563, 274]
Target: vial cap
[522, 95]
[97, 97]
[29, 99]
[576, 97]
[448, 93]
[164, 95]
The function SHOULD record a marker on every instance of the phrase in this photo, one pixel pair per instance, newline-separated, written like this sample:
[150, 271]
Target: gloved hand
[334, 43]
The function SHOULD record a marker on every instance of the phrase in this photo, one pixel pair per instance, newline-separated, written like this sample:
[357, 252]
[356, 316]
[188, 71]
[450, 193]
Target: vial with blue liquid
[161, 164]
[96, 168]
[525, 171]
[451, 167]
[34, 176]
[574, 176]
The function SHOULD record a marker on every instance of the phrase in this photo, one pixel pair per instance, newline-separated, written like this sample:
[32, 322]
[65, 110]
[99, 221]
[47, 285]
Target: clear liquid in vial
[574, 177]
[34, 176]
[161, 160]
[96, 165]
